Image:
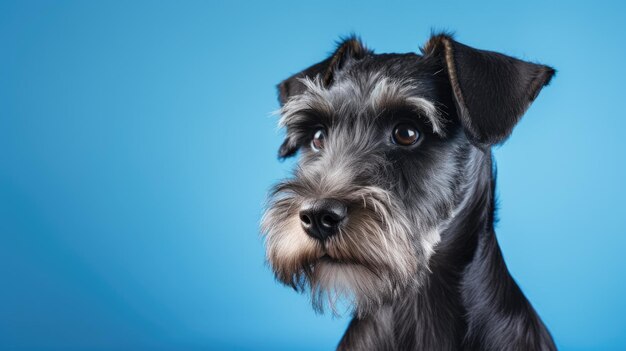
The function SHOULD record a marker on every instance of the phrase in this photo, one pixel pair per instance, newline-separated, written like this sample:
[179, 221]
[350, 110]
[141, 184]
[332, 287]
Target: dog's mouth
[330, 260]
[326, 258]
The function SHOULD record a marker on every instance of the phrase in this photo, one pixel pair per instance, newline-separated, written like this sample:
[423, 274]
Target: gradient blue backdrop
[136, 147]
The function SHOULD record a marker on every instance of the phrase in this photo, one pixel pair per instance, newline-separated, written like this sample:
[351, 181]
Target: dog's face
[388, 145]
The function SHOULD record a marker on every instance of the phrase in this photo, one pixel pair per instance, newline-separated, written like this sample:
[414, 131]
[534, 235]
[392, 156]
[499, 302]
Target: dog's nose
[321, 218]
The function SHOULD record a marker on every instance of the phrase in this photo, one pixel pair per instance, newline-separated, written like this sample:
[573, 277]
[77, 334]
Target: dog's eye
[405, 134]
[318, 140]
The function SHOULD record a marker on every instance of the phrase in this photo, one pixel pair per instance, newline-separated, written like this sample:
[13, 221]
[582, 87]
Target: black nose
[321, 218]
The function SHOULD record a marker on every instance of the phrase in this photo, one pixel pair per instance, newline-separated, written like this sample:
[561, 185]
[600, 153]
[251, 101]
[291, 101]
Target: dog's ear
[347, 49]
[350, 48]
[491, 90]
[287, 149]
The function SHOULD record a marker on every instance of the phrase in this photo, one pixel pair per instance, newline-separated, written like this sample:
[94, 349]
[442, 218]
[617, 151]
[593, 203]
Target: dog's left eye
[318, 140]
[405, 134]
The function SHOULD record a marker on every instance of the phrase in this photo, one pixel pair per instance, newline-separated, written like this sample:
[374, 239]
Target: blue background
[137, 146]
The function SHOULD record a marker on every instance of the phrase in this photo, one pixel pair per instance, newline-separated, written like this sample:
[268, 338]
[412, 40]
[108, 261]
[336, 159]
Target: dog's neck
[469, 301]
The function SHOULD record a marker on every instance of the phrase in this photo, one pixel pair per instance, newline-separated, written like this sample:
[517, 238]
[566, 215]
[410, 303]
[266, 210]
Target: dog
[391, 206]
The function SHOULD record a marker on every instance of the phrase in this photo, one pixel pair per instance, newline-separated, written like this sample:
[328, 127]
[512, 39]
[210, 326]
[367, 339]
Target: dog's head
[388, 144]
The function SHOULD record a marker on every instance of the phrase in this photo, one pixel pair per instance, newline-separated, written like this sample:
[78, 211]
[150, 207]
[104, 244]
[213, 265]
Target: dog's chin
[335, 282]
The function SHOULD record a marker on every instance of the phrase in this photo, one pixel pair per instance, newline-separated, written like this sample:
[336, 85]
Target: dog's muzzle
[321, 218]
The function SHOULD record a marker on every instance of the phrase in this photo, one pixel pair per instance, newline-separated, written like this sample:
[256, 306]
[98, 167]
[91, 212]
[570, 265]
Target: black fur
[467, 300]
[491, 90]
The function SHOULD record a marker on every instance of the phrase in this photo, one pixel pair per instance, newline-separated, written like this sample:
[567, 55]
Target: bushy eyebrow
[308, 117]
[390, 95]
[373, 93]
[405, 111]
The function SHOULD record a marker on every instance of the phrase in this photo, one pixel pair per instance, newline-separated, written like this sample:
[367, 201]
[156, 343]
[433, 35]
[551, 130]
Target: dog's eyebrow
[374, 91]
[388, 92]
[306, 118]
[316, 100]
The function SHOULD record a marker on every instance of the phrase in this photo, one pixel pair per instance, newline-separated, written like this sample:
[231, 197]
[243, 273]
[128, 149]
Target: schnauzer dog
[392, 205]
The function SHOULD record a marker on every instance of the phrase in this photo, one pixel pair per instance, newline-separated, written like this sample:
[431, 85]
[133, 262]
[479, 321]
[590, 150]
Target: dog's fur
[417, 256]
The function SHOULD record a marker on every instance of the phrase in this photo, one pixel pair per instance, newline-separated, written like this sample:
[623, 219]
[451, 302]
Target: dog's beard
[374, 257]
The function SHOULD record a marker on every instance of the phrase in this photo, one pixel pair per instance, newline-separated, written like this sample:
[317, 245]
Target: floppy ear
[491, 91]
[348, 49]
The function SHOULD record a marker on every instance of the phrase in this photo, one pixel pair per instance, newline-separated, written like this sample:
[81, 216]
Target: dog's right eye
[405, 134]
[317, 143]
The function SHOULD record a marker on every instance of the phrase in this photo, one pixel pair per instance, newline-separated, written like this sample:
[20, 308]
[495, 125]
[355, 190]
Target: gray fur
[386, 234]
